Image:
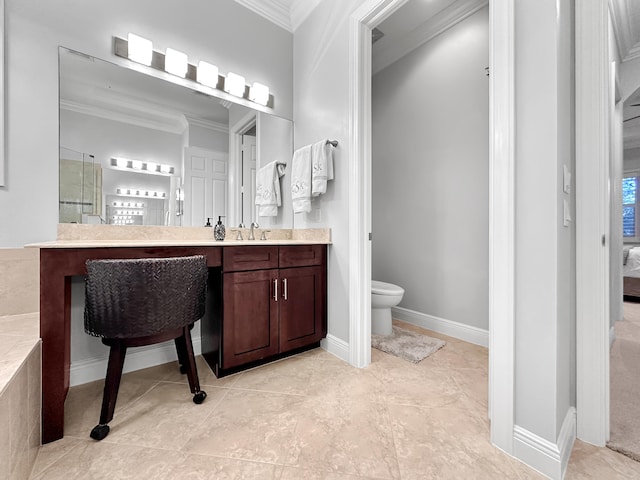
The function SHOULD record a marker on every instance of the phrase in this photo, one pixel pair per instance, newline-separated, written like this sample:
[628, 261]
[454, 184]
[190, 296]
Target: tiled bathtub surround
[19, 281]
[310, 416]
[20, 396]
[20, 355]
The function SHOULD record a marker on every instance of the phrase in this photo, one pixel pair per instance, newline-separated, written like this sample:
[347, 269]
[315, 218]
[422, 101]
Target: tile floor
[311, 416]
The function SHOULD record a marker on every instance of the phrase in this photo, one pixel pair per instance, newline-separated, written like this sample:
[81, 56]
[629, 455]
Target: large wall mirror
[139, 150]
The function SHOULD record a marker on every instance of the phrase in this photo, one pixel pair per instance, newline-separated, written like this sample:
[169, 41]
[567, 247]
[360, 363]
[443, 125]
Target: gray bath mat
[407, 345]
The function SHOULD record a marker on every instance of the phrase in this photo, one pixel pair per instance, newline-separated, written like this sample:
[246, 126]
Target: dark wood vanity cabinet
[273, 301]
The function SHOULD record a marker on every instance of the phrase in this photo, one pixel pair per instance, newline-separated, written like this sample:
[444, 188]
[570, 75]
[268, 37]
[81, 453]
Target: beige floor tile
[294, 473]
[291, 375]
[344, 436]
[202, 467]
[400, 384]
[165, 417]
[90, 460]
[589, 462]
[83, 404]
[52, 452]
[311, 416]
[249, 425]
[446, 443]
[335, 378]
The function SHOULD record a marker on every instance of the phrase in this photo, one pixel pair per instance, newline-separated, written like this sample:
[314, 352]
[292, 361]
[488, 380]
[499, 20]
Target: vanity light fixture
[207, 74]
[140, 49]
[143, 167]
[234, 84]
[128, 204]
[176, 62]
[128, 192]
[259, 93]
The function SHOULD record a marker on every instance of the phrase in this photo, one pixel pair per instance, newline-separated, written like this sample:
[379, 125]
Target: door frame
[502, 202]
[236, 131]
[593, 123]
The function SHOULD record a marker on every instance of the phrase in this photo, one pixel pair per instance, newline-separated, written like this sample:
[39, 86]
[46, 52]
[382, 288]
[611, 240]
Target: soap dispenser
[219, 230]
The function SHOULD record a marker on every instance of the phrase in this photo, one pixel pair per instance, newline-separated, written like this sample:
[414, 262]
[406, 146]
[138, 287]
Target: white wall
[431, 174]
[269, 127]
[208, 139]
[223, 32]
[545, 251]
[105, 139]
[321, 110]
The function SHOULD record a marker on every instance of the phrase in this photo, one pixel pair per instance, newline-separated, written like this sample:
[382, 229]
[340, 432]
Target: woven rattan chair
[130, 303]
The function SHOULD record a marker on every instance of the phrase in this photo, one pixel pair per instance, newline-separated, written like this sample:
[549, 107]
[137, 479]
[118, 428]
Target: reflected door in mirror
[205, 186]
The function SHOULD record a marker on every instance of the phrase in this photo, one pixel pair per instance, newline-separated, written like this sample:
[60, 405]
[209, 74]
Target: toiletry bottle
[208, 224]
[218, 230]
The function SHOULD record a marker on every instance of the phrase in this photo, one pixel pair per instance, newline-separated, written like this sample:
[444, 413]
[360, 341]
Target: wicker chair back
[142, 297]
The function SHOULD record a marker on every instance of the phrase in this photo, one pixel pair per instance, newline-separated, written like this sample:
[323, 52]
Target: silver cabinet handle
[286, 290]
[275, 289]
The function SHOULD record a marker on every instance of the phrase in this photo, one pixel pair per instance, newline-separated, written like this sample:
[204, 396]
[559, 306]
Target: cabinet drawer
[302, 255]
[238, 259]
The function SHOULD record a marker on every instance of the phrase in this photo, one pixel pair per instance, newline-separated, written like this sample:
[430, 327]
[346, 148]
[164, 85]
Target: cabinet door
[250, 319]
[302, 307]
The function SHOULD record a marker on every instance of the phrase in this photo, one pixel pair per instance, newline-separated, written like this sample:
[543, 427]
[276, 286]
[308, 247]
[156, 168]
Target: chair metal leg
[111, 387]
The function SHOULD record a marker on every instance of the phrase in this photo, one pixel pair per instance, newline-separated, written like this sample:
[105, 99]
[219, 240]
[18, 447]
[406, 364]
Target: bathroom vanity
[266, 299]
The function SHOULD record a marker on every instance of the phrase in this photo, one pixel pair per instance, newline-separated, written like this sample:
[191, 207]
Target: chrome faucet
[239, 236]
[251, 235]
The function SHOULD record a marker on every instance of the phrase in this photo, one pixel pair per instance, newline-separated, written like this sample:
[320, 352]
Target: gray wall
[431, 174]
[222, 32]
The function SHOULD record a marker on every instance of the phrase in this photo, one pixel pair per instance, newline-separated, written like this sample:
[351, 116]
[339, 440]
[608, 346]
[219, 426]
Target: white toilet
[383, 297]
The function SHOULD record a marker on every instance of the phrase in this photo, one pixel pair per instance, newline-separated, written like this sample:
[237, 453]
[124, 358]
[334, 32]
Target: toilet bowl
[383, 297]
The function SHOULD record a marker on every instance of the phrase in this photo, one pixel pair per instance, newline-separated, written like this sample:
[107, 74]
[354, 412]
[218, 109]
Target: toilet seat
[383, 288]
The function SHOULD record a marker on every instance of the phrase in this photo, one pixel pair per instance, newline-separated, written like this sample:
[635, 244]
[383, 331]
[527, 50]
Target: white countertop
[102, 236]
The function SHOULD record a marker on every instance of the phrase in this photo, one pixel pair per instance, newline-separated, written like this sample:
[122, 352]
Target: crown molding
[273, 10]
[201, 122]
[300, 10]
[164, 123]
[439, 23]
[626, 33]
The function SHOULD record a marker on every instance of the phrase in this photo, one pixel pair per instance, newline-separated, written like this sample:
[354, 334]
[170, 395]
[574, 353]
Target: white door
[205, 186]
[249, 211]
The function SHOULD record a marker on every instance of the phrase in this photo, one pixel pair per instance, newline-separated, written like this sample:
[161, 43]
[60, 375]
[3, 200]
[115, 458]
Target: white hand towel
[301, 180]
[268, 197]
[322, 167]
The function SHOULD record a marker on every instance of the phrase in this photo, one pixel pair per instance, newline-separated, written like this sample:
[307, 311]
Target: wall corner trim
[550, 459]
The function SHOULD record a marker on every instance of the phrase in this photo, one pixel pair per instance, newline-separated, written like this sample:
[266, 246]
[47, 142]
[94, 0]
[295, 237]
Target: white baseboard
[136, 359]
[336, 346]
[550, 459]
[470, 334]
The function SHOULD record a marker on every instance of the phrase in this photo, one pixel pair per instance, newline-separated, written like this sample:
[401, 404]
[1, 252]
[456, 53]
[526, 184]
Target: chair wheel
[199, 397]
[183, 369]
[99, 432]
